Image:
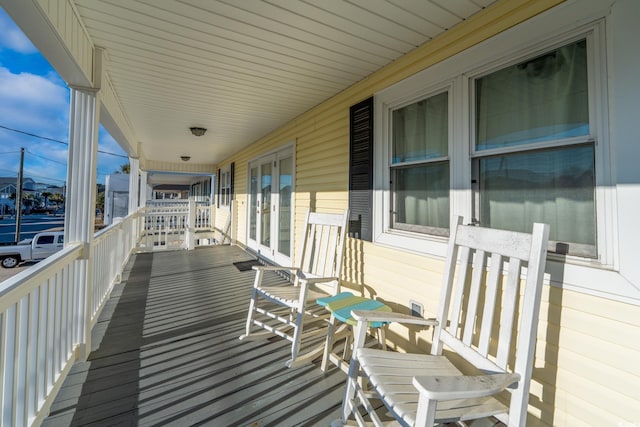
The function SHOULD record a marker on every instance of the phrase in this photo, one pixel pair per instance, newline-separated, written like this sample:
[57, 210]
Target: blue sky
[34, 99]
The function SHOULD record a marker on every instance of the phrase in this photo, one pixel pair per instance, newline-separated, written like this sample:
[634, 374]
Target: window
[420, 165]
[533, 151]
[45, 240]
[507, 134]
[225, 188]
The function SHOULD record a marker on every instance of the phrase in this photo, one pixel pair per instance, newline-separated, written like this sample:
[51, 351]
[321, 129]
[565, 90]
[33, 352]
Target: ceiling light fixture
[185, 158]
[198, 131]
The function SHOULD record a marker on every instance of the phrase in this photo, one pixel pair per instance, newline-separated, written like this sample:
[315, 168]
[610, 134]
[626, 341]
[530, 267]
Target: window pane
[542, 99]
[422, 195]
[265, 211]
[420, 130]
[253, 200]
[45, 240]
[284, 218]
[554, 186]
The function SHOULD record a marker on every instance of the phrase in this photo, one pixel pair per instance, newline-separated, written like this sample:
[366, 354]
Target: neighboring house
[200, 189]
[8, 186]
[170, 192]
[6, 206]
[116, 197]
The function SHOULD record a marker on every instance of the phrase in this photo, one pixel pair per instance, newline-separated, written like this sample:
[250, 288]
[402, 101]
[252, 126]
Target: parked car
[41, 246]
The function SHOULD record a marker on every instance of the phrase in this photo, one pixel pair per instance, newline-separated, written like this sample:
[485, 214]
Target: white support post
[134, 184]
[143, 189]
[80, 200]
[134, 196]
[190, 236]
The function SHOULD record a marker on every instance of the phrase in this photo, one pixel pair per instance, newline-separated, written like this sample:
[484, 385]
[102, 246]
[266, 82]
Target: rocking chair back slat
[474, 296]
[509, 307]
[461, 279]
[495, 271]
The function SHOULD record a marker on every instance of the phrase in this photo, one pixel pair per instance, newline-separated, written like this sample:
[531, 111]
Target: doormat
[246, 265]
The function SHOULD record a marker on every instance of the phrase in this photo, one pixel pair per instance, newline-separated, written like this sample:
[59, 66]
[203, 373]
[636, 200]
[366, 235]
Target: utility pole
[19, 196]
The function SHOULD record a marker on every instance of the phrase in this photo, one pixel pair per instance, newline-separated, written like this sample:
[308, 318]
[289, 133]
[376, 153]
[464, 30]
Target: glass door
[269, 208]
[265, 205]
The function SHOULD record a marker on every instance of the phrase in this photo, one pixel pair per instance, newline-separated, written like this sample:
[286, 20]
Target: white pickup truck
[41, 246]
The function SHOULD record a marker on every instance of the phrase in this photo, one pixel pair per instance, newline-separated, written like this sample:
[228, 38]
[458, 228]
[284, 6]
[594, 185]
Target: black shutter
[361, 170]
[218, 191]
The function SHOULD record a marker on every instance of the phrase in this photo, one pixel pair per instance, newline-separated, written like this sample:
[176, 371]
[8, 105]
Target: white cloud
[40, 106]
[31, 90]
[13, 38]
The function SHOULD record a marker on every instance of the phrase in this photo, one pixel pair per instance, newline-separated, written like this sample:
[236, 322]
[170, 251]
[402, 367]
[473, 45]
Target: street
[30, 225]
[6, 273]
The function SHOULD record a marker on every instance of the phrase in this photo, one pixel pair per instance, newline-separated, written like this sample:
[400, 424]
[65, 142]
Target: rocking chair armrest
[310, 280]
[385, 316]
[274, 268]
[463, 387]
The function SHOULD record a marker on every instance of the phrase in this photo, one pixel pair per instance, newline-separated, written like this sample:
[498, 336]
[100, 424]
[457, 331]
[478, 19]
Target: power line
[34, 135]
[56, 140]
[47, 159]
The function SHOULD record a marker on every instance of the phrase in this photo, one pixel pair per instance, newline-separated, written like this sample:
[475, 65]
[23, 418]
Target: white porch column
[143, 189]
[80, 201]
[134, 184]
[190, 233]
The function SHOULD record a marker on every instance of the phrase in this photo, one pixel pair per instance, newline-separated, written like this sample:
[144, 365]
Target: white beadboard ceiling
[242, 68]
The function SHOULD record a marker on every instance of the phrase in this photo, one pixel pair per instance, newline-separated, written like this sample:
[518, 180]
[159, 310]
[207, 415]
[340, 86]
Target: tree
[100, 201]
[125, 168]
[56, 198]
[29, 199]
[46, 195]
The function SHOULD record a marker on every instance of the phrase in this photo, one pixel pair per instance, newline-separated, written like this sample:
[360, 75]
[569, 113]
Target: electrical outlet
[416, 309]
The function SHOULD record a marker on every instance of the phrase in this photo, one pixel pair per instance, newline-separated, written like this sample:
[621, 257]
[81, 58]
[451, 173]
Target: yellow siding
[586, 371]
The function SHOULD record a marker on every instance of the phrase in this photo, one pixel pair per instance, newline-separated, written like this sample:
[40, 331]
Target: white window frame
[429, 230]
[538, 35]
[536, 147]
[225, 187]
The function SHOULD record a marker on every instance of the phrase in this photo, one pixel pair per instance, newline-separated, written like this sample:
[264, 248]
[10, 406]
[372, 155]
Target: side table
[340, 307]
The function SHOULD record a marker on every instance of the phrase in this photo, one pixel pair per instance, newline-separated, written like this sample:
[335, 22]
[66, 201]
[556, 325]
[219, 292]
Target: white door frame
[270, 251]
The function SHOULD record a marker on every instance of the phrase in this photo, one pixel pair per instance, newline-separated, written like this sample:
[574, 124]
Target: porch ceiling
[243, 68]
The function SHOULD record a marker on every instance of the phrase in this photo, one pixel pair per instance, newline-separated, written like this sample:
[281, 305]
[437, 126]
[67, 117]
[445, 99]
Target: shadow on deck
[166, 352]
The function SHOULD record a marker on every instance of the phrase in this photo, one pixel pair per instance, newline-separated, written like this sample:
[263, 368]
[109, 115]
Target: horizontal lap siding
[586, 361]
[588, 347]
[398, 278]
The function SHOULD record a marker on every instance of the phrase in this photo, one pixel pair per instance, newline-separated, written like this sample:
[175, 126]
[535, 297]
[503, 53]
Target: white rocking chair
[285, 310]
[477, 318]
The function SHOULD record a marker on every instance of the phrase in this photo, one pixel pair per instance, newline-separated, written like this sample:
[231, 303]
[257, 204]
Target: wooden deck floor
[166, 352]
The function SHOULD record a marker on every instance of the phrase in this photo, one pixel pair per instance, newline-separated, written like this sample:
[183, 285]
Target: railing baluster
[42, 345]
[20, 369]
[32, 354]
[8, 376]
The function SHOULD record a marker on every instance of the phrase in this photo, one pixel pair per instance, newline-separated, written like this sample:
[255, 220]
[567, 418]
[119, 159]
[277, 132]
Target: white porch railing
[170, 225]
[44, 313]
